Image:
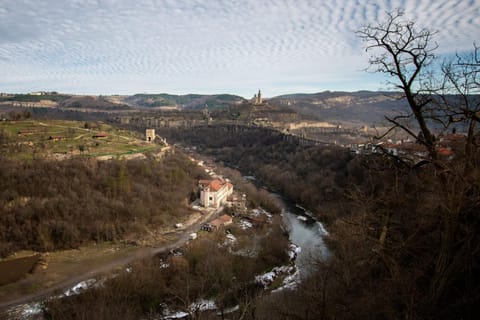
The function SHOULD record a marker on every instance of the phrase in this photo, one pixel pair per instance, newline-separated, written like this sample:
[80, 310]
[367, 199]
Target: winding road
[142, 252]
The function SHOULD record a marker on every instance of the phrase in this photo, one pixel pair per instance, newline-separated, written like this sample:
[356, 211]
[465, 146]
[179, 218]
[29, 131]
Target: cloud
[192, 45]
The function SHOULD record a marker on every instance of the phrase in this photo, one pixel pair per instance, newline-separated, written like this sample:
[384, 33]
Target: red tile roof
[222, 220]
[100, 135]
[215, 185]
[444, 151]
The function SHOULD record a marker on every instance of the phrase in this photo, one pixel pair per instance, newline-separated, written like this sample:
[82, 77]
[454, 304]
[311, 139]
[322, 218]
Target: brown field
[12, 270]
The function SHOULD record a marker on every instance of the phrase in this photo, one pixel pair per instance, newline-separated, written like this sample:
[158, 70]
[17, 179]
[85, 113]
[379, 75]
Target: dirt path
[140, 253]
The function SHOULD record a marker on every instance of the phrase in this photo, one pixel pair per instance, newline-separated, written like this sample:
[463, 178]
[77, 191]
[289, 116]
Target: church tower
[257, 99]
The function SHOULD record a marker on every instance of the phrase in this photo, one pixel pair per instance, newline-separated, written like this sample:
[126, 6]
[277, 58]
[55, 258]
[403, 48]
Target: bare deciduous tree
[404, 53]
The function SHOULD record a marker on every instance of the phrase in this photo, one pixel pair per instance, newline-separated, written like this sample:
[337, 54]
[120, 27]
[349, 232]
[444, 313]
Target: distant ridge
[189, 101]
[366, 107]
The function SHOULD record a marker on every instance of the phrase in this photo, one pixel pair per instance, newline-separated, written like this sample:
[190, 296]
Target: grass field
[59, 139]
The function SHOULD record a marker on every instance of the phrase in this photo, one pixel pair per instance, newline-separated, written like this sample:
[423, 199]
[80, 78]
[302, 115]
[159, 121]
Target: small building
[150, 135]
[56, 138]
[221, 221]
[100, 135]
[25, 132]
[214, 193]
[38, 93]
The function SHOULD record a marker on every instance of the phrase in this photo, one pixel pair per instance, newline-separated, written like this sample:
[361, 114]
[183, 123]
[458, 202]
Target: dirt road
[140, 253]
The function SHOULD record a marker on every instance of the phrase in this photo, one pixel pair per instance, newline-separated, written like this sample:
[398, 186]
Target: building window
[210, 198]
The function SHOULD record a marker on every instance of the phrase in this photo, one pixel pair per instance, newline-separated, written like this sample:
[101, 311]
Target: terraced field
[58, 139]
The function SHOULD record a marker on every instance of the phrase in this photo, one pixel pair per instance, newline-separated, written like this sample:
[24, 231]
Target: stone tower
[257, 99]
[150, 135]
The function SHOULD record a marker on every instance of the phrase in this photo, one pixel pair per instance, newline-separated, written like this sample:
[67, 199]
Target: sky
[207, 46]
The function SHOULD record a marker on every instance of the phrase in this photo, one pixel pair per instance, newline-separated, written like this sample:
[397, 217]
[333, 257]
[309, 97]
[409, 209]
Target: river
[305, 232]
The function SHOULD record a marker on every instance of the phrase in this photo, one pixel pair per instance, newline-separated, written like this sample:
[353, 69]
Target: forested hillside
[50, 205]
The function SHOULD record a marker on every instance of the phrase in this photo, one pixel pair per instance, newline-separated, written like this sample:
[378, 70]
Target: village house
[25, 132]
[100, 135]
[56, 138]
[221, 221]
[214, 193]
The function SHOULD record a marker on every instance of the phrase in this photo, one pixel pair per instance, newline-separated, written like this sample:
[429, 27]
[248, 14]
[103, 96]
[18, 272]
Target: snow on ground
[245, 224]
[267, 279]
[260, 211]
[203, 305]
[25, 311]
[176, 315]
[79, 287]
[200, 305]
[293, 251]
[229, 310]
[290, 281]
[302, 218]
[322, 229]
[231, 238]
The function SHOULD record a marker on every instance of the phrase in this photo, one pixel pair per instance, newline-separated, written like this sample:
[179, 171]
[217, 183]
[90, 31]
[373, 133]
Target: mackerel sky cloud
[206, 46]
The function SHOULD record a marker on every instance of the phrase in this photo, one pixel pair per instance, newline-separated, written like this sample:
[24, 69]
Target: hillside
[189, 101]
[65, 101]
[61, 140]
[92, 103]
[361, 107]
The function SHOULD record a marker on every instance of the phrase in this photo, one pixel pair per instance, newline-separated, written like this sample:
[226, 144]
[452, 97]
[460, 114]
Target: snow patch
[79, 287]
[229, 310]
[231, 238]
[200, 305]
[293, 251]
[244, 224]
[25, 311]
[267, 279]
[203, 305]
[290, 282]
[176, 315]
[322, 229]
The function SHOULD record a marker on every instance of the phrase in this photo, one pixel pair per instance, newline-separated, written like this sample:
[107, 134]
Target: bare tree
[404, 53]
[458, 97]
[444, 222]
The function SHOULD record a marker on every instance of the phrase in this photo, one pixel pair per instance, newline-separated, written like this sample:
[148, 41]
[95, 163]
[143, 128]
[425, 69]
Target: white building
[150, 135]
[214, 193]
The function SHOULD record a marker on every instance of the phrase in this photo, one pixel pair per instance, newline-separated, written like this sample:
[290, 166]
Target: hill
[189, 101]
[61, 139]
[92, 103]
[361, 107]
